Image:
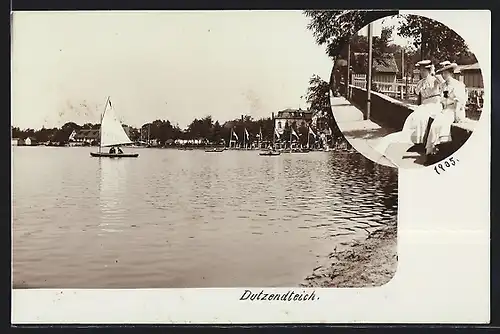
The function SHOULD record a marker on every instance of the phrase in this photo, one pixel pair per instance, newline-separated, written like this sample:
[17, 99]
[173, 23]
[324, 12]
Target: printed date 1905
[445, 164]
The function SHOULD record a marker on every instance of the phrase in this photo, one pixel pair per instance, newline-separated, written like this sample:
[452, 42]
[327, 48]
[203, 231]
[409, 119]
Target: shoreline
[370, 263]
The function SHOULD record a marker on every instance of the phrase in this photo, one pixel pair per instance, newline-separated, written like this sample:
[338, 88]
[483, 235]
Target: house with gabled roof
[385, 68]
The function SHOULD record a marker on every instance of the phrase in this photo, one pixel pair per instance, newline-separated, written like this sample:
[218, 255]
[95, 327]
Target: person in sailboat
[112, 150]
[119, 150]
[454, 98]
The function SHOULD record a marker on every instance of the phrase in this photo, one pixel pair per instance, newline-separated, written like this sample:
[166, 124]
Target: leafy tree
[88, 126]
[44, 135]
[382, 49]
[318, 96]
[134, 134]
[16, 132]
[217, 133]
[435, 40]
[334, 28]
[70, 126]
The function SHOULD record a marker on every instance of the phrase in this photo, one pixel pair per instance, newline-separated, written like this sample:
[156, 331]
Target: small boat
[215, 150]
[270, 153]
[114, 155]
[301, 150]
[112, 134]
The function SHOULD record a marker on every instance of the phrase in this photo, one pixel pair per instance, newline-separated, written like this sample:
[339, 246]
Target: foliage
[334, 28]
[381, 48]
[435, 40]
[318, 96]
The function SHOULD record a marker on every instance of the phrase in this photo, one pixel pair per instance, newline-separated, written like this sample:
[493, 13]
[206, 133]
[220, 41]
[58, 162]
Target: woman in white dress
[415, 126]
[428, 87]
[454, 98]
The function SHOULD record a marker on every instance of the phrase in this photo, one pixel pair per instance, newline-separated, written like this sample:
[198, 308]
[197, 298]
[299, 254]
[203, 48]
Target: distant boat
[214, 150]
[112, 135]
[301, 150]
[272, 150]
[270, 153]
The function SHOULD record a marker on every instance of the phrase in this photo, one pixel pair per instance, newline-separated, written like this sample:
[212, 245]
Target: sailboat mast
[100, 124]
[291, 138]
[260, 137]
[244, 137]
[274, 137]
[308, 136]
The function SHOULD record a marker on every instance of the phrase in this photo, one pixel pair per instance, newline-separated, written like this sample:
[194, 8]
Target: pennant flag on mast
[295, 134]
[276, 133]
[247, 135]
[234, 133]
[260, 133]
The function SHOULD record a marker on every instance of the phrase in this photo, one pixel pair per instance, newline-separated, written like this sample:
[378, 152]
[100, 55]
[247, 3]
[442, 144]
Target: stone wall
[391, 113]
[385, 111]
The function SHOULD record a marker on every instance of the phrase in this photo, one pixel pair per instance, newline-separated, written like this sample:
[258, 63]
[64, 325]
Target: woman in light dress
[429, 88]
[415, 126]
[453, 100]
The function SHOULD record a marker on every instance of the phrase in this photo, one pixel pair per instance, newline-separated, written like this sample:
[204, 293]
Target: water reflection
[112, 191]
[190, 218]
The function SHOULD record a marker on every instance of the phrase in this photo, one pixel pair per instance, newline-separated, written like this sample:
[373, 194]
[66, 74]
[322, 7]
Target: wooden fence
[405, 90]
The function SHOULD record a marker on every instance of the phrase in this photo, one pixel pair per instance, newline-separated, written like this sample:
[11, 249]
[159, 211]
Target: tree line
[431, 39]
[336, 29]
[164, 132]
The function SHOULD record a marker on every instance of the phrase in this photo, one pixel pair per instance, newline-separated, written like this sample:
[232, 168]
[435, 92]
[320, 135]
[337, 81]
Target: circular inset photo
[407, 91]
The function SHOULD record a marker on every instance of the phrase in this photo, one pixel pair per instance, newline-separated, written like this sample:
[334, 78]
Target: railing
[399, 88]
[402, 90]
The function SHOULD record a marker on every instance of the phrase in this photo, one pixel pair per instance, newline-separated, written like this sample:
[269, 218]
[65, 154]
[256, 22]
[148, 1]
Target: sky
[162, 65]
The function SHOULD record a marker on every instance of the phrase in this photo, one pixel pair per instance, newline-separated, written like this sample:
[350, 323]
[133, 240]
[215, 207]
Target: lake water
[174, 219]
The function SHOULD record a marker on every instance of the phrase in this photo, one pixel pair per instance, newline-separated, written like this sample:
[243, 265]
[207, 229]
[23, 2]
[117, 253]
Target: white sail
[112, 132]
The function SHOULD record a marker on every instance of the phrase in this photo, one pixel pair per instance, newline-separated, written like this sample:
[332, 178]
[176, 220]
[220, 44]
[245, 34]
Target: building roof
[294, 114]
[87, 134]
[385, 64]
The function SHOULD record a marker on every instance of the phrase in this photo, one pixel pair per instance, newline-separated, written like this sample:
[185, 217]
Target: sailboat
[112, 134]
[272, 152]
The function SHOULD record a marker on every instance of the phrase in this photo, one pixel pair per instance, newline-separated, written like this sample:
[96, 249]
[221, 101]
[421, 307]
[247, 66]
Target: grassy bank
[369, 263]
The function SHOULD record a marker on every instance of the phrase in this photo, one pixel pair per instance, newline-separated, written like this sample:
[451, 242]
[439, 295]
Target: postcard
[243, 167]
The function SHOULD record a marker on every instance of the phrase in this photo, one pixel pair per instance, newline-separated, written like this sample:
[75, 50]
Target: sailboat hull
[269, 154]
[114, 155]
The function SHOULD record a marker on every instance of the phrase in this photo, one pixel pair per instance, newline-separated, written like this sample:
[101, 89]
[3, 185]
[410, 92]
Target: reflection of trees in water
[364, 181]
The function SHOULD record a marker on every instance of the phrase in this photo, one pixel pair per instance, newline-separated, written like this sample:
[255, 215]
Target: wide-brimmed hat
[424, 64]
[448, 67]
[444, 63]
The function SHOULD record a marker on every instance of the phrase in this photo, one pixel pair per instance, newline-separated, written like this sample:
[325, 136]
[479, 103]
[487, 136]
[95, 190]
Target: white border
[443, 250]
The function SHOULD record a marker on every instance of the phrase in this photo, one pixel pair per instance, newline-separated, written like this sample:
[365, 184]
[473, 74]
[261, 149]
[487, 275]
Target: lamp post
[348, 80]
[369, 81]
